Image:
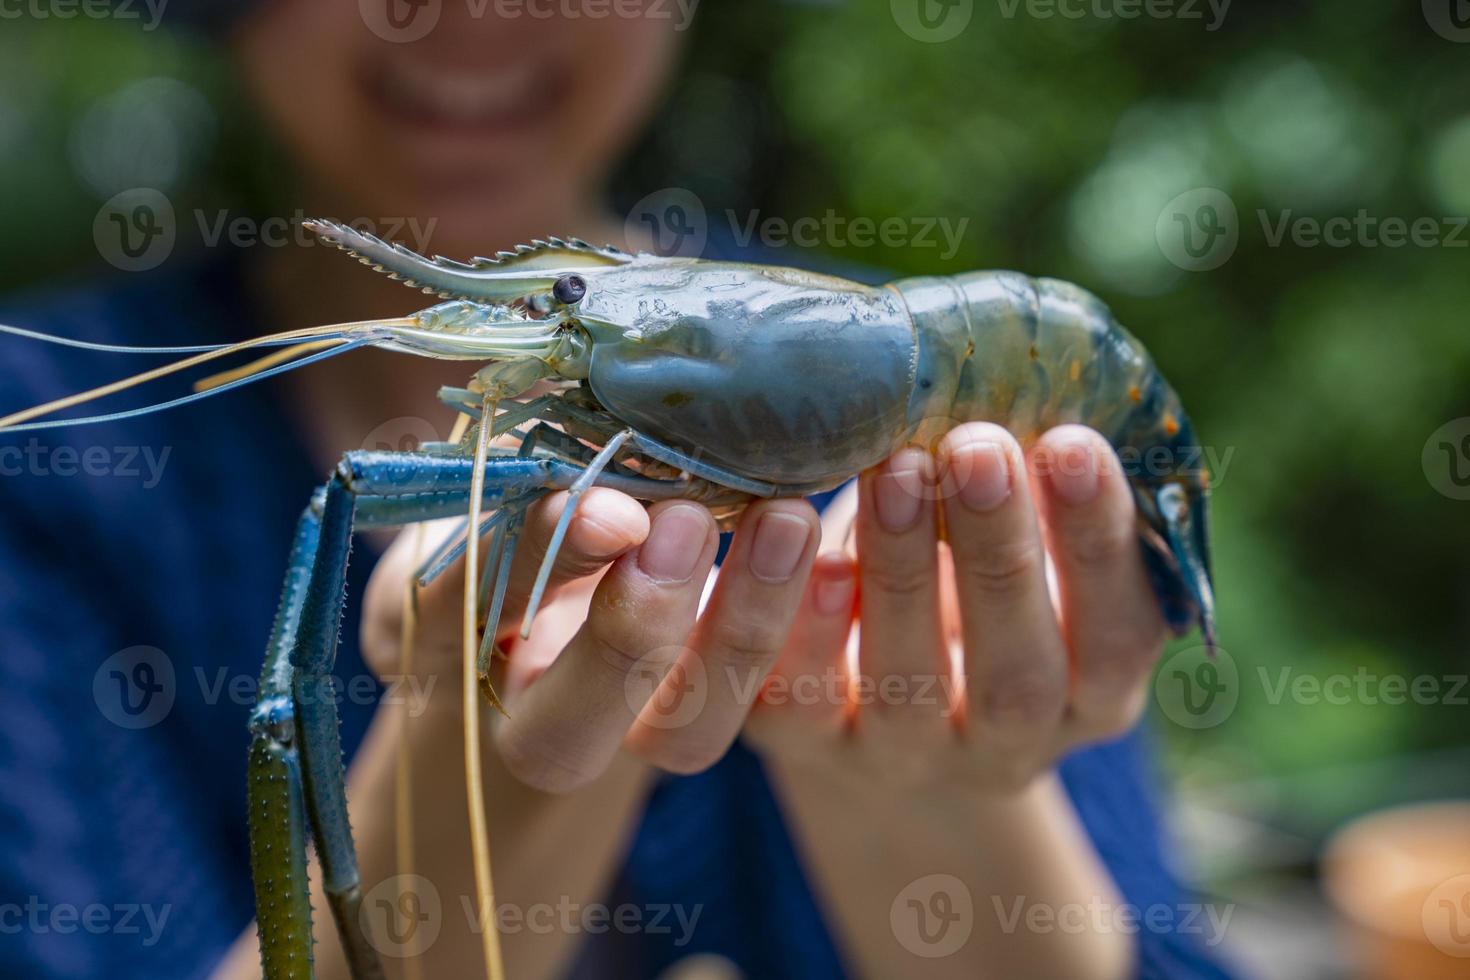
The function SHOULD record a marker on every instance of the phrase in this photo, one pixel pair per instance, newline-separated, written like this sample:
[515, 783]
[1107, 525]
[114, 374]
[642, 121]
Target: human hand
[623, 614]
[969, 676]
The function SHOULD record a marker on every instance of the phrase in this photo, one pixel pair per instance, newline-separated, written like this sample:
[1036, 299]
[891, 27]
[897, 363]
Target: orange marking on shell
[1135, 394]
[1171, 425]
[1075, 371]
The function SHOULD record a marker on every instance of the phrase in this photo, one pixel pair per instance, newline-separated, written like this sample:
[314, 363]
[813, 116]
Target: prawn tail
[1172, 490]
[1177, 555]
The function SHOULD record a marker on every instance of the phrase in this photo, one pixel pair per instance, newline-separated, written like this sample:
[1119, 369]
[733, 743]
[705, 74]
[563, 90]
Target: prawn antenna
[316, 343]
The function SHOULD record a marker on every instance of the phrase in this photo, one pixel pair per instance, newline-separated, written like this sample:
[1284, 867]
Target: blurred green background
[1315, 373]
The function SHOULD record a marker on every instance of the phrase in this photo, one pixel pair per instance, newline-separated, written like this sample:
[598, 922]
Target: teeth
[463, 97]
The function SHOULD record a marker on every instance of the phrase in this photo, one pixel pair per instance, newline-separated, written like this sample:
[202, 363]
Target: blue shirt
[140, 564]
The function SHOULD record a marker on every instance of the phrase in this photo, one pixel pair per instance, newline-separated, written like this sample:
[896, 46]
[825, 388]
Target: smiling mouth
[491, 101]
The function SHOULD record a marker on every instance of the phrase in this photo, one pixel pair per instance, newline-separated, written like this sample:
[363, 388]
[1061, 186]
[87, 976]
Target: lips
[482, 101]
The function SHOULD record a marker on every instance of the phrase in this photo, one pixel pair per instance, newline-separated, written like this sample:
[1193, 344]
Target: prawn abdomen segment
[1025, 353]
[1030, 354]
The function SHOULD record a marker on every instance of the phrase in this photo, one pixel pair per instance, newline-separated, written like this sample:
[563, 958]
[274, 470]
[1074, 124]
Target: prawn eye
[569, 290]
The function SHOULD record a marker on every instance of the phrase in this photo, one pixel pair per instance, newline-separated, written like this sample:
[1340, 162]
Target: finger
[568, 724]
[437, 627]
[607, 524]
[1110, 618]
[810, 677]
[839, 519]
[1014, 659]
[738, 638]
[898, 590]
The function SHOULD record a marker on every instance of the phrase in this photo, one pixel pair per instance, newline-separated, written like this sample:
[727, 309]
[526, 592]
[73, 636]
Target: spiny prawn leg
[297, 783]
[278, 828]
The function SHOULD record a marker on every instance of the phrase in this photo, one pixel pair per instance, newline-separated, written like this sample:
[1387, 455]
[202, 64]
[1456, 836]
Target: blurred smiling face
[500, 115]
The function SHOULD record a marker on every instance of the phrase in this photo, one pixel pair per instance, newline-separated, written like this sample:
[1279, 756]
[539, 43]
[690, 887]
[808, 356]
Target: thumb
[607, 524]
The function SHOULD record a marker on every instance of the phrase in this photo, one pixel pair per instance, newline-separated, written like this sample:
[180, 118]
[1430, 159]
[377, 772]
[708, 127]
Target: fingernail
[1073, 473]
[834, 595]
[987, 485]
[674, 544]
[779, 542]
[898, 491]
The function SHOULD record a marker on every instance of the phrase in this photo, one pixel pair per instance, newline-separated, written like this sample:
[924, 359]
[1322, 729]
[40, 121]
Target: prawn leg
[278, 829]
[297, 783]
[604, 425]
